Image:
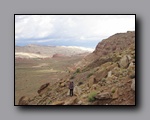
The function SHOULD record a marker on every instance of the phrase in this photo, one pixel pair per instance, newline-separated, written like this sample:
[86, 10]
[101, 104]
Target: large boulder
[62, 85]
[58, 103]
[103, 96]
[24, 100]
[109, 74]
[133, 85]
[124, 62]
[77, 90]
[43, 87]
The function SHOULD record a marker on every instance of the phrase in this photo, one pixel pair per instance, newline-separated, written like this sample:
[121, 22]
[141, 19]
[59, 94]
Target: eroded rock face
[24, 100]
[115, 42]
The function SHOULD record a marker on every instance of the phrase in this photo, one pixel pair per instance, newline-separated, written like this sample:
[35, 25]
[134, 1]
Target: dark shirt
[71, 85]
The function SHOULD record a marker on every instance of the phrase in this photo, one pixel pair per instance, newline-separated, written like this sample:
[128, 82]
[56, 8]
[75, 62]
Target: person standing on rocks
[71, 86]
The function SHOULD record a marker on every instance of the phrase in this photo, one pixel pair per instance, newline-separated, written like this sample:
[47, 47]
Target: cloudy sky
[69, 30]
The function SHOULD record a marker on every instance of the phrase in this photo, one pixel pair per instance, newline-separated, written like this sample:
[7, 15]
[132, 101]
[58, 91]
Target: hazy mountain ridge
[39, 51]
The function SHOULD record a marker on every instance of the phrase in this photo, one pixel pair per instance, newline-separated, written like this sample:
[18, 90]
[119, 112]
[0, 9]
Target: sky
[69, 30]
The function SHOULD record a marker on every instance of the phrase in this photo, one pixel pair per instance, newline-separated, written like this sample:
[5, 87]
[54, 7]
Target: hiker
[71, 86]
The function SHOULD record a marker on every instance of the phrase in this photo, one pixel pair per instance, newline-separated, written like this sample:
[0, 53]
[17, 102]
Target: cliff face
[105, 77]
[115, 43]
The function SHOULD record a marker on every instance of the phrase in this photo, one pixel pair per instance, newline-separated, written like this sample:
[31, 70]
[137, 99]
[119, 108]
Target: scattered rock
[84, 96]
[62, 85]
[58, 103]
[94, 87]
[71, 101]
[131, 65]
[80, 102]
[133, 85]
[92, 81]
[103, 96]
[124, 62]
[24, 100]
[109, 74]
[68, 93]
[115, 94]
[77, 90]
[129, 57]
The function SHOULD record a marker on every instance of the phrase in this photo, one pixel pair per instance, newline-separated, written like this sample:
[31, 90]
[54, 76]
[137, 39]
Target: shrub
[77, 71]
[91, 96]
[72, 77]
[80, 83]
[103, 79]
[89, 75]
[113, 91]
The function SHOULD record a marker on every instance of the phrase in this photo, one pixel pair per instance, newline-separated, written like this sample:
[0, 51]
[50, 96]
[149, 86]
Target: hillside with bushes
[104, 77]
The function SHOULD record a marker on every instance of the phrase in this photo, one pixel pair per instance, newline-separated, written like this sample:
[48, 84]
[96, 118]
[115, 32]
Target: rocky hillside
[105, 77]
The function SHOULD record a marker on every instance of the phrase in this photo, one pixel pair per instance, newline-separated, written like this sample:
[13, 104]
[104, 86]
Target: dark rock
[43, 87]
[24, 100]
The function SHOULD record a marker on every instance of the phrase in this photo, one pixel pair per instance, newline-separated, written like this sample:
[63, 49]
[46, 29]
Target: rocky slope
[105, 77]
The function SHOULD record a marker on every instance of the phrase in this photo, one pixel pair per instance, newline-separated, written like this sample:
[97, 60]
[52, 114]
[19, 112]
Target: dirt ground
[30, 74]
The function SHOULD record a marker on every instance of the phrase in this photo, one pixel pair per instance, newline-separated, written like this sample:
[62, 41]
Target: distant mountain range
[39, 51]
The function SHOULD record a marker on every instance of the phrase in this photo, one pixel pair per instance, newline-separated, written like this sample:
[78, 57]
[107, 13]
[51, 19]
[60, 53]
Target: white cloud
[71, 27]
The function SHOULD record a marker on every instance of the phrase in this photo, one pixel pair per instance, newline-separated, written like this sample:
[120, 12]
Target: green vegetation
[89, 75]
[78, 70]
[49, 102]
[91, 96]
[113, 91]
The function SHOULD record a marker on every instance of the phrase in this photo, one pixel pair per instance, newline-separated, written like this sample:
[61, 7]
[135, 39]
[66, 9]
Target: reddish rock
[44, 86]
